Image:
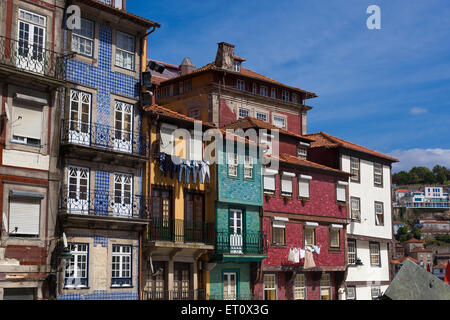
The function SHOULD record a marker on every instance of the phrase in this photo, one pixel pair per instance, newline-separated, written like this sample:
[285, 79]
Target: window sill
[334, 250]
[304, 199]
[76, 288]
[278, 246]
[86, 59]
[121, 287]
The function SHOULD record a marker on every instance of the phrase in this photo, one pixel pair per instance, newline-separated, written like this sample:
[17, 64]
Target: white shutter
[340, 193]
[269, 182]
[286, 184]
[278, 224]
[24, 214]
[166, 143]
[303, 188]
[27, 122]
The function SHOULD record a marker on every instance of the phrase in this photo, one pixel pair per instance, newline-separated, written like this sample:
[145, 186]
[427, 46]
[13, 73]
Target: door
[229, 286]
[80, 117]
[31, 42]
[235, 231]
[123, 194]
[123, 114]
[181, 282]
[78, 192]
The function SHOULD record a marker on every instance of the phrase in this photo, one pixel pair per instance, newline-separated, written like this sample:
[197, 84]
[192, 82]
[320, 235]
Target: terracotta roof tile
[413, 240]
[323, 139]
[401, 190]
[284, 157]
[250, 122]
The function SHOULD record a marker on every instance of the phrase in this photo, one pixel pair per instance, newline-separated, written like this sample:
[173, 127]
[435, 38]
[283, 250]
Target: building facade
[31, 77]
[103, 211]
[370, 230]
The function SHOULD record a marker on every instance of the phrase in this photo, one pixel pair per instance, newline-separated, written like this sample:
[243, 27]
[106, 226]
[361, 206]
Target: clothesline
[198, 167]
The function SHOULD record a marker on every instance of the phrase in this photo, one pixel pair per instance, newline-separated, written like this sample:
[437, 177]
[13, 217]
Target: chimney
[225, 56]
[186, 66]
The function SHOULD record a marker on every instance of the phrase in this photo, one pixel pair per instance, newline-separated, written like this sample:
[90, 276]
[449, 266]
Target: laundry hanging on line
[199, 168]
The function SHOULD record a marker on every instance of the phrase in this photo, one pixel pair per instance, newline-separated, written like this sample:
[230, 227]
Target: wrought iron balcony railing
[177, 230]
[245, 243]
[103, 136]
[238, 296]
[198, 294]
[34, 58]
[104, 203]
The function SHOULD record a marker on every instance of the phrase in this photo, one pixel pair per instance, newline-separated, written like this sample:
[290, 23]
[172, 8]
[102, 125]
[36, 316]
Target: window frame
[330, 232]
[328, 286]
[371, 254]
[240, 84]
[355, 253]
[92, 40]
[284, 193]
[352, 178]
[84, 280]
[296, 288]
[263, 89]
[232, 164]
[354, 291]
[122, 282]
[285, 95]
[376, 214]
[243, 109]
[372, 288]
[358, 218]
[304, 154]
[270, 191]
[305, 228]
[375, 184]
[131, 53]
[274, 275]
[276, 243]
[273, 93]
[338, 201]
[279, 117]
[262, 113]
[248, 165]
[255, 88]
[300, 180]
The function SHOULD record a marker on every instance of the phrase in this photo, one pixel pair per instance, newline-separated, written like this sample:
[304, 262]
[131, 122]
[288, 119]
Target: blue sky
[386, 89]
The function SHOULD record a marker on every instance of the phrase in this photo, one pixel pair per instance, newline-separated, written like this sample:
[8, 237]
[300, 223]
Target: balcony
[235, 297]
[103, 206]
[106, 141]
[21, 56]
[248, 243]
[184, 231]
[198, 294]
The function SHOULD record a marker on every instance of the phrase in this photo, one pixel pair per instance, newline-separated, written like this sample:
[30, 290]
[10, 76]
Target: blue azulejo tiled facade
[239, 240]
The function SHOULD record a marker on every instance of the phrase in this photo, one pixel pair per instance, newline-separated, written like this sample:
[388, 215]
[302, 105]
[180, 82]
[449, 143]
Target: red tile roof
[441, 265]
[401, 190]
[326, 140]
[249, 122]
[247, 73]
[287, 158]
[413, 240]
[120, 13]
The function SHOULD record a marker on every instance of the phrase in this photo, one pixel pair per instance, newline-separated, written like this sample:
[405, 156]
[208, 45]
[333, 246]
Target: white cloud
[420, 157]
[417, 110]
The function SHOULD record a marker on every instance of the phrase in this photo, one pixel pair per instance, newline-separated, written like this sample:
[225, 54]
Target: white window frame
[26, 139]
[87, 39]
[237, 66]
[232, 164]
[341, 191]
[377, 173]
[285, 95]
[355, 169]
[264, 114]
[351, 252]
[248, 167]
[273, 93]
[287, 189]
[243, 110]
[302, 152]
[375, 254]
[299, 287]
[279, 117]
[124, 266]
[75, 262]
[125, 52]
[379, 213]
[313, 233]
[353, 295]
[355, 212]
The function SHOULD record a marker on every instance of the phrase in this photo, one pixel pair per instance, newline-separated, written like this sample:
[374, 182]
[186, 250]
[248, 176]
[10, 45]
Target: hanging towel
[316, 249]
[291, 256]
[302, 253]
[309, 260]
[296, 255]
[308, 248]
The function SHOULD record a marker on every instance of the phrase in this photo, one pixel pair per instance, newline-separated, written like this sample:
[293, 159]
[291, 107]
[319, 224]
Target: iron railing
[103, 136]
[178, 230]
[198, 294]
[104, 203]
[238, 296]
[427, 204]
[34, 58]
[245, 243]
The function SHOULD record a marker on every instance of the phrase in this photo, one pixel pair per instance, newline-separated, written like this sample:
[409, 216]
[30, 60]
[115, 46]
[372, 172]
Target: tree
[403, 234]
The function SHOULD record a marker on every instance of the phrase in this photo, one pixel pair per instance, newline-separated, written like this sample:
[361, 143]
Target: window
[300, 287]
[161, 207]
[263, 91]
[166, 144]
[354, 169]
[232, 164]
[351, 293]
[310, 236]
[286, 184]
[187, 85]
[24, 214]
[241, 85]
[302, 152]
[80, 117]
[279, 233]
[83, 39]
[279, 122]
[379, 213]
[237, 66]
[341, 191]
[26, 125]
[285, 95]
[266, 139]
[193, 215]
[194, 113]
[248, 167]
[355, 208]
[255, 88]
[123, 123]
[374, 248]
[375, 292]
[294, 98]
[78, 200]
[121, 266]
[269, 181]
[76, 270]
[378, 174]
[243, 113]
[230, 286]
[167, 91]
[270, 286]
[176, 89]
[335, 238]
[125, 51]
[351, 243]
[273, 93]
[261, 116]
[303, 186]
[181, 281]
[123, 194]
[325, 287]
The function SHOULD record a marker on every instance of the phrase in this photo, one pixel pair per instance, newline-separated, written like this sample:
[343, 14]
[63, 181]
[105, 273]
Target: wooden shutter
[24, 214]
